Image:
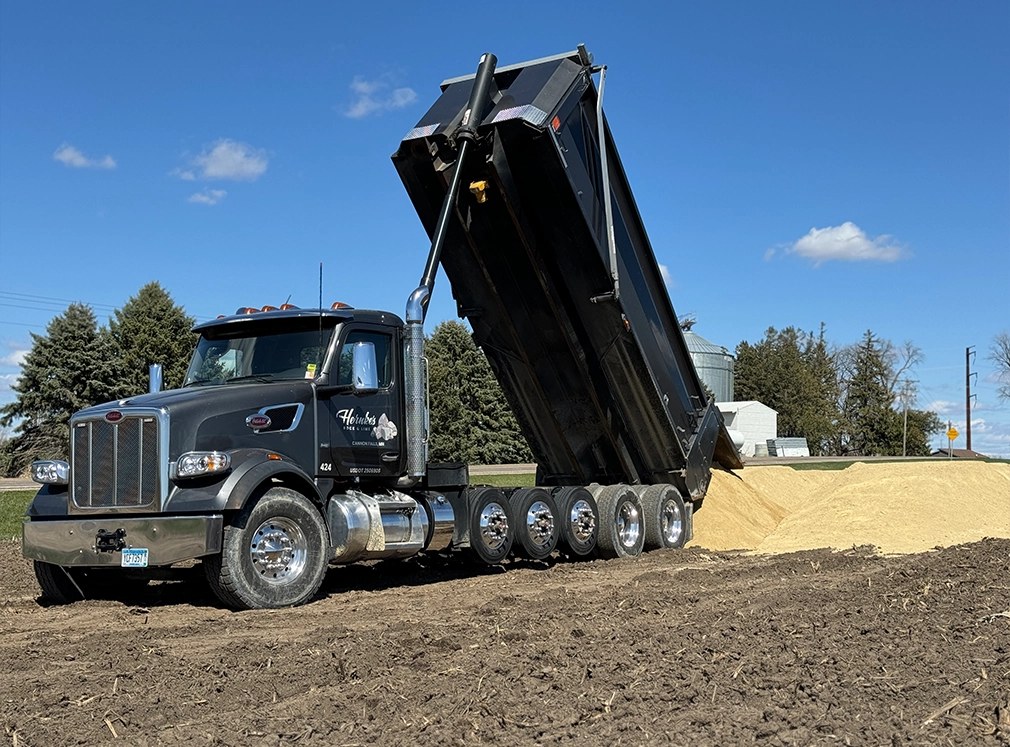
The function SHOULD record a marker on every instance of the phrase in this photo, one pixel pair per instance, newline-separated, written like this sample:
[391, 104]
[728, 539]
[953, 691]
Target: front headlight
[196, 463]
[51, 472]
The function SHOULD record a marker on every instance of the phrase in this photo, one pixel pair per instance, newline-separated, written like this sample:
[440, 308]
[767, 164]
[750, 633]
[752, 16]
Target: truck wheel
[273, 553]
[56, 584]
[536, 522]
[664, 517]
[620, 532]
[578, 517]
[491, 525]
[65, 585]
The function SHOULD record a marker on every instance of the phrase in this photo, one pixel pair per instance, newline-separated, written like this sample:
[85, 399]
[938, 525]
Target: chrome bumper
[168, 539]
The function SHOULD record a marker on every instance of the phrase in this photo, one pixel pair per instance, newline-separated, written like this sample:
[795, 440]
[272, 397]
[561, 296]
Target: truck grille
[116, 465]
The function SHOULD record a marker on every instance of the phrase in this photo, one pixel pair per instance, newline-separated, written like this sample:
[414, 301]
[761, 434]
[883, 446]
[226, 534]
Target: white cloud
[7, 381]
[372, 96]
[225, 159]
[228, 159]
[665, 272]
[68, 155]
[847, 243]
[944, 407]
[16, 358]
[208, 196]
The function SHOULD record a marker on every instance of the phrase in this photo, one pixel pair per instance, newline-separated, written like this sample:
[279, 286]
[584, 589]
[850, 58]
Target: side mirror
[364, 376]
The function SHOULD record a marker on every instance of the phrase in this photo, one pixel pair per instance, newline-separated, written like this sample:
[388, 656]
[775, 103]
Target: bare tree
[901, 359]
[999, 353]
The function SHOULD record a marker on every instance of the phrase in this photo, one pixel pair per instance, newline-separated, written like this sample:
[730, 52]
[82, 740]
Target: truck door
[366, 429]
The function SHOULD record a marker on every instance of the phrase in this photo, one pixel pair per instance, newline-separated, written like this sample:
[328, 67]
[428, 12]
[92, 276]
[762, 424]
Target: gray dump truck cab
[299, 438]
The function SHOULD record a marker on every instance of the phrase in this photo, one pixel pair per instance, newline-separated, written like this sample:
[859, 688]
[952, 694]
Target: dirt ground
[687, 647]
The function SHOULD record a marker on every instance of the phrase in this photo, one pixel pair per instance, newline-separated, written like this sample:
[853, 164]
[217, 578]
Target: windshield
[282, 356]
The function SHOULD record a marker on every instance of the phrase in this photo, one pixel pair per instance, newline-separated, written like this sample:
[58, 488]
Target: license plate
[134, 557]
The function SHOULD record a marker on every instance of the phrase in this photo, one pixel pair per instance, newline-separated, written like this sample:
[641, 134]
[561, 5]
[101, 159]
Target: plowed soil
[689, 647]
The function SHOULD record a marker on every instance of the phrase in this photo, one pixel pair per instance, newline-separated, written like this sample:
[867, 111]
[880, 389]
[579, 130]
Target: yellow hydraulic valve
[479, 190]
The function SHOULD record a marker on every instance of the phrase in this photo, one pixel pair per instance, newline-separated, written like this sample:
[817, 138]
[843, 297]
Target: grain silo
[713, 362]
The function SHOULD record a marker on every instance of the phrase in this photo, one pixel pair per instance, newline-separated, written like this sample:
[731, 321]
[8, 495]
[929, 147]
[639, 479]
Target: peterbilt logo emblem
[114, 416]
[258, 421]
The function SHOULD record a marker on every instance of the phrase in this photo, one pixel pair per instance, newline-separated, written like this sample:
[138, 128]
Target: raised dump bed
[579, 330]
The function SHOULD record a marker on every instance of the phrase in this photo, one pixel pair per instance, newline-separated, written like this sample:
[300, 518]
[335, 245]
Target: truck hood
[214, 417]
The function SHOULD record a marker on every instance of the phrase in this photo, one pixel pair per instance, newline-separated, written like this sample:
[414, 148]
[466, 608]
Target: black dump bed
[604, 390]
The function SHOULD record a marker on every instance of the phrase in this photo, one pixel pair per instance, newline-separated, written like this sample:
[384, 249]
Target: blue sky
[794, 162]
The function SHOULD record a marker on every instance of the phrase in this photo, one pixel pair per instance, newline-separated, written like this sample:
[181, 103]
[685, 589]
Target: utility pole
[968, 353]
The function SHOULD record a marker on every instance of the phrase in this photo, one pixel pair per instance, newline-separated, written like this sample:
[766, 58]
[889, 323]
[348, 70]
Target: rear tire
[620, 533]
[492, 526]
[273, 553]
[578, 520]
[536, 519]
[665, 517]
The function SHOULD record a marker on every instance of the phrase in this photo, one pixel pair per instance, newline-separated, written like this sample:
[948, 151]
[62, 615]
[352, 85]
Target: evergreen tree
[67, 369]
[794, 374]
[150, 328]
[871, 423]
[470, 419]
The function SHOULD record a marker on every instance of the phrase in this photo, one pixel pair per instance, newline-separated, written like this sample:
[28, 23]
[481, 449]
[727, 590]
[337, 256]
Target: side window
[383, 356]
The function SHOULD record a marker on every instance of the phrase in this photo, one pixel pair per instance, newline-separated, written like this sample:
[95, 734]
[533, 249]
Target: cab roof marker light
[340, 305]
[286, 306]
[269, 308]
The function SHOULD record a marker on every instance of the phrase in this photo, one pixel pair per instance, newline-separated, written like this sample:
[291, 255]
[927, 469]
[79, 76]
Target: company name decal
[354, 421]
[371, 430]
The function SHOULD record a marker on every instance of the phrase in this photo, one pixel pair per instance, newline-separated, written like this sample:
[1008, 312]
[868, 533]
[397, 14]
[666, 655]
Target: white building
[754, 421]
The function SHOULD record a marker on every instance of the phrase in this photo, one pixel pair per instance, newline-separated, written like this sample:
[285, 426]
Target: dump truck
[300, 436]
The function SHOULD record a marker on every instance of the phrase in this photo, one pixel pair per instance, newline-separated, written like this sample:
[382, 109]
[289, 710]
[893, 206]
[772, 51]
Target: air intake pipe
[417, 305]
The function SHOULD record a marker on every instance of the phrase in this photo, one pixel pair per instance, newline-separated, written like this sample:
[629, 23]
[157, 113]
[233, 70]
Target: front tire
[61, 585]
[56, 584]
[273, 553]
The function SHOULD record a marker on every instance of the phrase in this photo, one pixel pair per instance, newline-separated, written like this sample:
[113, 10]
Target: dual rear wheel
[616, 520]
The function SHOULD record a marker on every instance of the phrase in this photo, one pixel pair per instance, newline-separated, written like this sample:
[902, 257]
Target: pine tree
[67, 369]
[470, 419]
[794, 374]
[872, 425]
[150, 328]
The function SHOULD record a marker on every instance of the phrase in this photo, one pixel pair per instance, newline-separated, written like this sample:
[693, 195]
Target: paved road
[8, 483]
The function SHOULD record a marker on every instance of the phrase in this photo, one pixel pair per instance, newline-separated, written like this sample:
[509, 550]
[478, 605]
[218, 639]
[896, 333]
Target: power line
[11, 295]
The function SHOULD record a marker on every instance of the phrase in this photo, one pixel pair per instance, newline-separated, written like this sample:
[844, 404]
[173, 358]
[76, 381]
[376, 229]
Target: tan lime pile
[897, 507]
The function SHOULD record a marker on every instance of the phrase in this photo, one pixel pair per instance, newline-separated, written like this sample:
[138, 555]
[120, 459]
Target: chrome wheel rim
[540, 523]
[629, 524]
[671, 522]
[279, 551]
[494, 526]
[582, 520]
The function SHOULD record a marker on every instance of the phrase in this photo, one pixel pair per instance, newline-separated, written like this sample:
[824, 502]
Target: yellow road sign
[952, 434]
